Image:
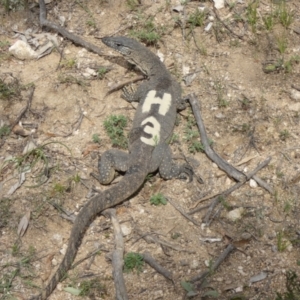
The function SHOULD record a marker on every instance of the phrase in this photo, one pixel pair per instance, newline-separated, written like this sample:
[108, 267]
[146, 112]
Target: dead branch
[156, 266]
[24, 109]
[177, 207]
[218, 198]
[222, 164]
[234, 187]
[122, 84]
[92, 255]
[65, 33]
[150, 238]
[226, 26]
[200, 278]
[117, 256]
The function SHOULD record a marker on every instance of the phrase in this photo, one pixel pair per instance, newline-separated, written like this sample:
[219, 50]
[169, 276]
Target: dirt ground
[246, 75]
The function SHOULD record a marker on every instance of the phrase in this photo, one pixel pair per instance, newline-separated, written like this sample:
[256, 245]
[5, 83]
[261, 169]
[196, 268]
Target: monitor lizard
[153, 124]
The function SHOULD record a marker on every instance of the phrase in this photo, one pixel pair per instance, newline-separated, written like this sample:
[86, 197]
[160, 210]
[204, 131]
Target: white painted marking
[164, 102]
[154, 131]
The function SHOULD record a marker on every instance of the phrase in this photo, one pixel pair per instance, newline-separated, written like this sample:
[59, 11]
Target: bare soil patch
[246, 79]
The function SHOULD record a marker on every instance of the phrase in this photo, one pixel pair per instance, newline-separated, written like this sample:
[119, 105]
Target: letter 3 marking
[154, 131]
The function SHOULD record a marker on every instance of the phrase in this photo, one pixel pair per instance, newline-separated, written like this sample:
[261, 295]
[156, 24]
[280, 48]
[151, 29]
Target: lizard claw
[186, 172]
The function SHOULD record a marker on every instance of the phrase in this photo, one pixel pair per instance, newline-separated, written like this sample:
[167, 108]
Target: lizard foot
[186, 172]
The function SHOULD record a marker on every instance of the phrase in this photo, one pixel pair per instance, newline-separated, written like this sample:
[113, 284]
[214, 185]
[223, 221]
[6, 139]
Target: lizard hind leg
[168, 169]
[111, 161]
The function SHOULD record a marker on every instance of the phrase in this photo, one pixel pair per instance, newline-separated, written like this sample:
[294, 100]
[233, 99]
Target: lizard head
[134, 52]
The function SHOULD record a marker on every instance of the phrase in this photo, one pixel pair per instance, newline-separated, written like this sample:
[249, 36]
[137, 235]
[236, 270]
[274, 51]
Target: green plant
[14, 5]
[76, 178]
[114, 126]
[282, 44]
[282, 243]
[189, 288]
[59, 188]
[148, 32]
[69, 79]
[284, 135]
[20, 266]
[279, 174]
[36, 157]
[173, 139]
[158, 199]
[175, 235]
[132, 4]
[288, 65]
[252, 15]
[91, 23]
[285, 15]
[191, 136]
[91, 20]
[269, 21]
[133, 261]
[197, 18]
[4, 44]
[101, 72]
[92, 288]
[68, 63]
[292, 287]
[4, 130]
[287, 206]
[219, 87]
[5, 213]
[10, 90]
[96, 138]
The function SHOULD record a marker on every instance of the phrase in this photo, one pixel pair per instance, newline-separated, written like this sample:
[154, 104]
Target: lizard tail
[131, 182]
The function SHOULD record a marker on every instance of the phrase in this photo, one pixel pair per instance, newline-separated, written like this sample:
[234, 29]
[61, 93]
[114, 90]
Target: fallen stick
[156, 266]
[222, 164]
[218, 198]
[117, 256]
[200, 278]
[65, 33]
[235, 186]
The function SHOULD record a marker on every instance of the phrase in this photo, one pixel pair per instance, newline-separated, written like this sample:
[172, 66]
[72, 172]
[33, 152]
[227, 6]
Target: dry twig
[218, 198]
[222, 164]
[117, 256]
[24, 109]
[200, 278]
[65, 33]
[156, 266]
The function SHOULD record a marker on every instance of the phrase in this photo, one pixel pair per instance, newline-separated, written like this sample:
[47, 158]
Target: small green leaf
[187, 286]
[214, 294]
[72, 291]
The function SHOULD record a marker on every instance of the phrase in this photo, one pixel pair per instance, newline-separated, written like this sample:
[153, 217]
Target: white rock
[63, 249]
[126, 229]
[195, 264]
[208, 26]
[295, 95]
[294, 106]
[235, 214]
[90, 71]
[219, 4]
[54, 262]
[253, 183]
[22, 50]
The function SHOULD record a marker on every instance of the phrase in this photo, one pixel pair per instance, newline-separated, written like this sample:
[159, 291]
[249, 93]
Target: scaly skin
[148, 151]
[116, 194]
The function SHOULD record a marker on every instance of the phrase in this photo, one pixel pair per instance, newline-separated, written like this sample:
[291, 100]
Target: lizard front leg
[111, 161]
